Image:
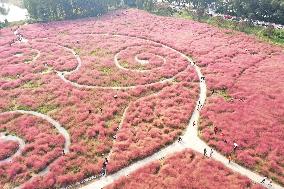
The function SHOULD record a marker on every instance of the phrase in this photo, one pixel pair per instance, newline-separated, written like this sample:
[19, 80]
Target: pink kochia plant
[8, 148]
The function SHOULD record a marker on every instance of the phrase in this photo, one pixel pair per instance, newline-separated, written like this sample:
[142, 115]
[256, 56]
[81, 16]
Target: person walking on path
[215, 130]
[205, 152]
[235, 146]
[263, 180]
[179, 139]
[193, 123]
[270, 183]
[211, 152]
[104, 166]
[230, 158]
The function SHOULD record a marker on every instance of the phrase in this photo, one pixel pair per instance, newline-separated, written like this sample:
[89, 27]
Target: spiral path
[190, 136]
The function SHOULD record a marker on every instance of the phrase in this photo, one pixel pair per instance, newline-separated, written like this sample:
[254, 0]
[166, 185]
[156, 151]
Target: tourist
[215, 130]
[213, 91]
[230, 158]
[115, 96]
[235, 146]
[106, 161]
[90, 111]
[63, 153]
[263, 180]
[193, 123]
[270, 183]
[211, 152]
[223, 136]
[205, 152]
[179, 139]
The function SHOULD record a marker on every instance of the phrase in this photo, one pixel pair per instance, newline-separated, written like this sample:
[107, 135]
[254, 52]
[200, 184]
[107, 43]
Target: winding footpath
[190, 137]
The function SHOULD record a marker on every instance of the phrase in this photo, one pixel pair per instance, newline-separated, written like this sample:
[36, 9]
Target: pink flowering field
[8, 148]
[185, 169]
[121, 88]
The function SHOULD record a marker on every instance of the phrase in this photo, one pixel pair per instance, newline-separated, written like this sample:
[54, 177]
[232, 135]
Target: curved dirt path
[190, 137]
[21, 142]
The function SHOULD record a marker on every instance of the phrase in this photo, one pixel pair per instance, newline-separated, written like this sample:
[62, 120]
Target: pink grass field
[8, 148]
[247, 103]
[186, 169]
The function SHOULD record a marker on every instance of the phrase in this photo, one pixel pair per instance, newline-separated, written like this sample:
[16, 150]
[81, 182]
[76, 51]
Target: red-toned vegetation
[8, 148]
[236, 66]
[186, 169]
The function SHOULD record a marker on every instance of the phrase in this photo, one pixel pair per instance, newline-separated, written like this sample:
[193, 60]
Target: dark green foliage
[45, 10]
[265, 10]
[141, 4]
[4, 24]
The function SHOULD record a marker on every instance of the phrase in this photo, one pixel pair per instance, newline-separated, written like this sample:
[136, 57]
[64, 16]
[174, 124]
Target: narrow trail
[190, 136]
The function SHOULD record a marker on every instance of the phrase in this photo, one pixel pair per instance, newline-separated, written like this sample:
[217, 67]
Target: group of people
[269, 181]
[19, 37]
[104, 169]
[235, 145]
[205, 152]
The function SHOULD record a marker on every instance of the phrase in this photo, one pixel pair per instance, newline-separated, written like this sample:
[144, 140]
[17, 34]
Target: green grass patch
[32, 85]
[9, 78]
[44, 109]
[106, 70]
[224, 93]
[124, 64]
[28, 60]
[77, 51]
[115, 83]
[47, 70]
[99, 52]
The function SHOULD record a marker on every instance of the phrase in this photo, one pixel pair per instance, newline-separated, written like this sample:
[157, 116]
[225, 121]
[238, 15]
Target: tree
[3, 10]
[265, 10]
[45, 10]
